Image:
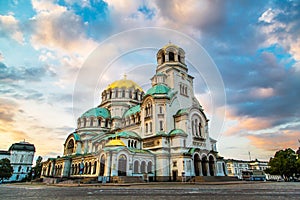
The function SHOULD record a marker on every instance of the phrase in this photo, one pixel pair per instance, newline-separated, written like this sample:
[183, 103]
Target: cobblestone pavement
[236, 191]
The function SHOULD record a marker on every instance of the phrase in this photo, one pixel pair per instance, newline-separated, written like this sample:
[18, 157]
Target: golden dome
[115, 142]
[124, 83]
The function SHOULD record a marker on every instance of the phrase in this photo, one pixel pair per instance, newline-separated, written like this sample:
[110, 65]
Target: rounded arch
[136, 166]
[70, 146]
[102, 165]
[122, 165]
[149, 167]
[143, 166]
[197, 164]
[204, 162]
[211, 164]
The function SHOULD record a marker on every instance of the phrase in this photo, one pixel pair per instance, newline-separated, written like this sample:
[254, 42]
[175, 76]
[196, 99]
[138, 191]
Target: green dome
[158, 89]
[132, 110]
[97, 112]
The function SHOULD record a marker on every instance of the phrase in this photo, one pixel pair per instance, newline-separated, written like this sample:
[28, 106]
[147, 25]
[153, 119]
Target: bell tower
[172, 71]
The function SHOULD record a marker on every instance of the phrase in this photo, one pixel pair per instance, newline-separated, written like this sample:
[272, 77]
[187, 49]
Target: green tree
[284, 163]
[38, 167]
[6, 170]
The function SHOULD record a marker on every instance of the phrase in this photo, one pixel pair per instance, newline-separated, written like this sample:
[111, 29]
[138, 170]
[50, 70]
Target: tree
[6, 170]
[38, 167]
[284, 163]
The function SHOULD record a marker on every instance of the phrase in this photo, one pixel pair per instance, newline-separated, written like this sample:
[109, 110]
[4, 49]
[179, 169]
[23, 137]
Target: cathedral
[161, 134]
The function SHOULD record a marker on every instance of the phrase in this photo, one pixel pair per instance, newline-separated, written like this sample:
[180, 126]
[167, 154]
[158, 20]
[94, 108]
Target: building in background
[162, 132]
[236, 167]
[21, 157]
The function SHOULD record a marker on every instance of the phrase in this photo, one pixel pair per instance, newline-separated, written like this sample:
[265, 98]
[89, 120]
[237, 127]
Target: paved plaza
[238, 190]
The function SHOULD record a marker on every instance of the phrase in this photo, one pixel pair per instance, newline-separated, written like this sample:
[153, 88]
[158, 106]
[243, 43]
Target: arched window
[128, 143]
[171, 56]
[86, 168]
[84, 122]
[123, 93]
[95, 167]
[110, 94]
[193, 127]
[99, 122]
[130, 94]
[91, 122]
[150, 127]
[199, 127]
[70, 147]
[135, 142]
[116, 92]
[90, 168]
[161, 125]
[146, 127]
[136, 167]
[149, 167]
[19, 169]
[132, 143]
[196, 128]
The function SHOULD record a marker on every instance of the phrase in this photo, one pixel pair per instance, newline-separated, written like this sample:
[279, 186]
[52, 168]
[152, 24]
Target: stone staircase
[127, 179]
[214, 178]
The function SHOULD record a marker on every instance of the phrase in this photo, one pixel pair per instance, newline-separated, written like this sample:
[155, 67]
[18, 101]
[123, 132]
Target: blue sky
[255, 46]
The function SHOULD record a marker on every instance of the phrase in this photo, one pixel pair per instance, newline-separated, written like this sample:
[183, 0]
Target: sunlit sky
[255, 46]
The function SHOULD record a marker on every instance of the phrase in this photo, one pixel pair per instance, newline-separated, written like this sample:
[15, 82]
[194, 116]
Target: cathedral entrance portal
[197, 162]
[211, 166]
[204, 166]
[102, 165]
[174, 174]
[122, 163]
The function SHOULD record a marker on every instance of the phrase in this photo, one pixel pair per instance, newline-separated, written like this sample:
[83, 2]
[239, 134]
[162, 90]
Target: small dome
[158, 89]
[97, 112]
[115, 142]
[124, 83]
[170, 45]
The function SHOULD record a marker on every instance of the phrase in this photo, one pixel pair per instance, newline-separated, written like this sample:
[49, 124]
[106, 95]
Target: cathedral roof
[178, 132]
[132, 110]
[124, 83]
[76, 137]
[97, 112]
[128, 134]
[158, 89]
[114, 143]
[22, 146]
[170, 45]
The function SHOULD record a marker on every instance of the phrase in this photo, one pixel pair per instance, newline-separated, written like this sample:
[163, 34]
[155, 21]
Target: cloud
[1, 58]
[275, 141]
[56, 28]
[8, 111]
[9, 74]
[10, 28]
[242, 124]
[281, 25]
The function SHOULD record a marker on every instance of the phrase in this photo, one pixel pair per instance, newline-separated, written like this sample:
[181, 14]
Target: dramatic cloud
[255, 45]
[56, 28]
